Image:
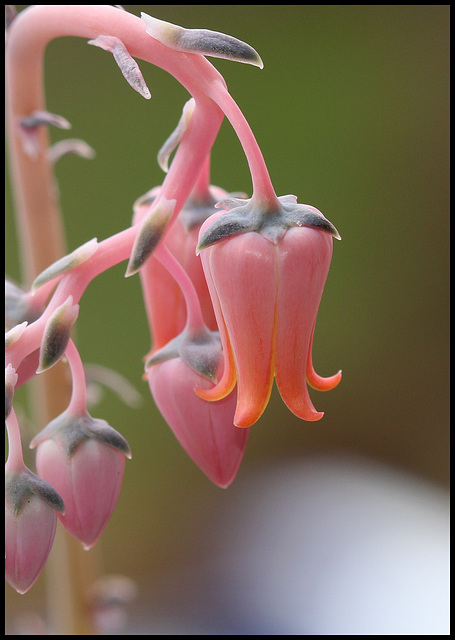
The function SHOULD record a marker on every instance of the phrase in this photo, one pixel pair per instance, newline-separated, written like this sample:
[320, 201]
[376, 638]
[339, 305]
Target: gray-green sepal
[202, 41]
[56, 334]
[20, 305]
[150, 232]
[201, 351]
[66, 264]
[127, 65]
[21, 486]
[242, 216]
[72, 430]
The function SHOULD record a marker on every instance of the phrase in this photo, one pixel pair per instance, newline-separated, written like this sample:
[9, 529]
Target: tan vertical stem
[41, 241]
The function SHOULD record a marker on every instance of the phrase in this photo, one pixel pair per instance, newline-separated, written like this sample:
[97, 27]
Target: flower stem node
[127, 65]
[84, 459]
[57, 334]
[202, 41]
[30, 522]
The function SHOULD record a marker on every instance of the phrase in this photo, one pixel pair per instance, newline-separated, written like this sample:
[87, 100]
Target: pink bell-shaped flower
[30, 522]
[84, 459]
[266, 270]
[204, 429]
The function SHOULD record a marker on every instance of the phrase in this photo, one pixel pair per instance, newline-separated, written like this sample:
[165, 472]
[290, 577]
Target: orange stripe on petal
[252, 402]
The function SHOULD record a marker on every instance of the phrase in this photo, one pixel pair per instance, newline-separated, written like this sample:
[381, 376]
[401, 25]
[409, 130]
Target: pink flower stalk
[30, 517]
[266, 270]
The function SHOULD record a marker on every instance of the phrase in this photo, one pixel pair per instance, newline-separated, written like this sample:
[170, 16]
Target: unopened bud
[204, 429]
[30, 523]
[84, 459]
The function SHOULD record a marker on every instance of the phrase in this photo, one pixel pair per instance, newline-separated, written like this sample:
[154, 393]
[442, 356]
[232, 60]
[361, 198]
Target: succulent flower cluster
[231, 284]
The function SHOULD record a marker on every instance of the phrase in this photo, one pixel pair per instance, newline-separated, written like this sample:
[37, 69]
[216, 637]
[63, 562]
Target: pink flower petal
[204, 429]
[318, 382]
[89, 482]
[242, 270]
[304, 260]
[28, 541]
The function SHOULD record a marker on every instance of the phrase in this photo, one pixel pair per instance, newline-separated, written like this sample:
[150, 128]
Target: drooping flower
[84, 459]
[266, 269]
[204, 429]
[30, 523]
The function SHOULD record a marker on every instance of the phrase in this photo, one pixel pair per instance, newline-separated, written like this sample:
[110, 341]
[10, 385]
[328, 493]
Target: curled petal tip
[202, 41]
[218, 392]
[323, 384]
[246, 418]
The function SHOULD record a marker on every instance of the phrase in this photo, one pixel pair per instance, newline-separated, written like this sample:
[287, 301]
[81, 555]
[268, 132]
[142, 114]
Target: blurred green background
[351, 111]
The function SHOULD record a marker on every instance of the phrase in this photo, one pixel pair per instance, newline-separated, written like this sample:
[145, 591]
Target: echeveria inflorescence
[84, 459]
[231, 297]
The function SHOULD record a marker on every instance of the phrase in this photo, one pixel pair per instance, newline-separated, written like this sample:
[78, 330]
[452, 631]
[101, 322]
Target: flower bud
[204, 429]
[84, 459]
[30, 522]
